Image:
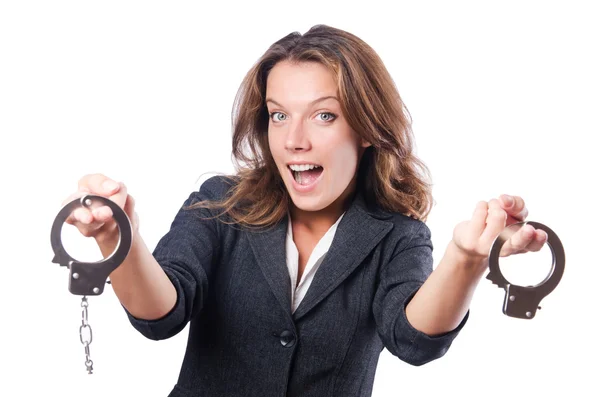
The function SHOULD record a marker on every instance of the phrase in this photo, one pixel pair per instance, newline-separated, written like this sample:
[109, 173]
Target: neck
[320, 221]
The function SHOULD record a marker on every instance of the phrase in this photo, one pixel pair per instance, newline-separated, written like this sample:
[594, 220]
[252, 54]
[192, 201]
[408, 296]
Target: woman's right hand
[97, 221]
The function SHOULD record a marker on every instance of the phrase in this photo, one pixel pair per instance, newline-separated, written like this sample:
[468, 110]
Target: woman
[297, 271]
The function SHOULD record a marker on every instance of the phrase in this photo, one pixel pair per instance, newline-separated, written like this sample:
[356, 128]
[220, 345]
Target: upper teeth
[303, 167]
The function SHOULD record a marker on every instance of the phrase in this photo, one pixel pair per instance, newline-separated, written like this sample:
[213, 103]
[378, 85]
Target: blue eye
[271, 115]
[330, 117]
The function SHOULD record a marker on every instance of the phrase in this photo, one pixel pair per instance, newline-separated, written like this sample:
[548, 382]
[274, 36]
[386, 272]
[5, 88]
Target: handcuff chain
[86, 342]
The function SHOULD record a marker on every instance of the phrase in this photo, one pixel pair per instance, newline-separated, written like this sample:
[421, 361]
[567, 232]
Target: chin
[309, 203]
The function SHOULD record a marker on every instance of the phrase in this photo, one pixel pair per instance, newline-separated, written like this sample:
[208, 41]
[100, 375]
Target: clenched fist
[97, 221]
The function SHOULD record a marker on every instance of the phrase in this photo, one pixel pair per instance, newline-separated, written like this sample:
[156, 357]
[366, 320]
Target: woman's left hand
[474, 238]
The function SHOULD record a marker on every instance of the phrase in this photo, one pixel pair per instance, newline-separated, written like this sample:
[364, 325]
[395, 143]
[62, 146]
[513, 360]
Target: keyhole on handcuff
[527, 269]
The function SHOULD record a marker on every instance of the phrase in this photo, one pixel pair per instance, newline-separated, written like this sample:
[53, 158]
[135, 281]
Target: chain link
[86, 342]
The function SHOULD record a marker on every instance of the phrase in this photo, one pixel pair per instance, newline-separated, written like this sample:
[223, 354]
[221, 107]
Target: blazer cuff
[168, 325]
[425, 348]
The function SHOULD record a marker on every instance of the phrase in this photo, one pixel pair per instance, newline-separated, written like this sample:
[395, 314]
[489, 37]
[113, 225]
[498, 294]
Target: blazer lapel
[359, 231]
[268, 247]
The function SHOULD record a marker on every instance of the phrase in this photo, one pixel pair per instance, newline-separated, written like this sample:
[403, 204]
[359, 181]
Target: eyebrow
[312, 103]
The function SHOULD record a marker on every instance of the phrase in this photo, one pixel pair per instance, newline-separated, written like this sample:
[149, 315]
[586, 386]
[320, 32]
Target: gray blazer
[234, 289]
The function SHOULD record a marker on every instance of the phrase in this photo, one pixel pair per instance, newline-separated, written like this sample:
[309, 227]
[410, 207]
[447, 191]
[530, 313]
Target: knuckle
[85, 182]
[80, 212]
[83, 179]
[88, 177]
[498, 213]
[122, 189]
[494, 202]
[470, 245]
[96, 181]
[519, 200]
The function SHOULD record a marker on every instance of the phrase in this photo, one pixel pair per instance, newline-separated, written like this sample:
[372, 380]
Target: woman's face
[308, 130]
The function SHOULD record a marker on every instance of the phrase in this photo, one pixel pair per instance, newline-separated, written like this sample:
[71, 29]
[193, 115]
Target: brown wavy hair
[389, 175]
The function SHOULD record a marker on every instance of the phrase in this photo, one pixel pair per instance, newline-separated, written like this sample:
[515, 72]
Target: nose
[297, 137]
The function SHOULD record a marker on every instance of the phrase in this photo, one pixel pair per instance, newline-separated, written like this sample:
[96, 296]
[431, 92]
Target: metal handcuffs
[521, 301]
[89, 278]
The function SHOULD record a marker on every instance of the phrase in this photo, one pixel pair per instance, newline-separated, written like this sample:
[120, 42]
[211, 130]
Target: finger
[99, 184]
[514, 207]
[120, 197]
[538, 241]
[507, 201]
[84, 221]
[78, 194]
[82, 215]
[495, 205]
[105, 187]
[91, 230]
[495, 223]
[477, 223]
[518, 241]
[95, 217]
[102, 214]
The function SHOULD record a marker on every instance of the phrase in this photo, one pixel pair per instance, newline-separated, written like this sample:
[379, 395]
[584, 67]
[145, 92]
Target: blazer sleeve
[187, 253]
[399, 281]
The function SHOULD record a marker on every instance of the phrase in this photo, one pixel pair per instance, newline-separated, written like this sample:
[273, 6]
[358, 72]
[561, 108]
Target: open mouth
[306, 175]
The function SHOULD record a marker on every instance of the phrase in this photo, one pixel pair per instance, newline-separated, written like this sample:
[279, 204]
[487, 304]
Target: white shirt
[314, 261]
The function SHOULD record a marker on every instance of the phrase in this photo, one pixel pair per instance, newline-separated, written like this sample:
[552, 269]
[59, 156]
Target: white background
[504, 98]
